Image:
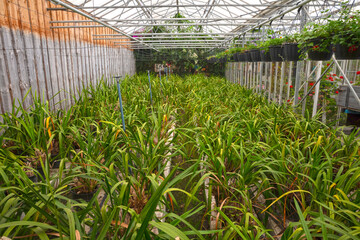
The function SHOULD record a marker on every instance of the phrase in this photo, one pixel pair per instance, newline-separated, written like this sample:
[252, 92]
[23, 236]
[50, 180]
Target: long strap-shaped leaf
[148, 212]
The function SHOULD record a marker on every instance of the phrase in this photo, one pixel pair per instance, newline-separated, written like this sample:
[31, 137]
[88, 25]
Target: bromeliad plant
[267, 168]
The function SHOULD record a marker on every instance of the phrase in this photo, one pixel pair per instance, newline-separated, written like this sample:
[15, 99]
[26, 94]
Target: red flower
[337, 92]
[352, 48]
[311, 84]
[341, 77]
[327, 64]
[331, 78]
[313, 92]
[351, 82]
[316, 47]
[291, 86]
[286, 83]
[358, 72]
[334, 74]
[288, 100]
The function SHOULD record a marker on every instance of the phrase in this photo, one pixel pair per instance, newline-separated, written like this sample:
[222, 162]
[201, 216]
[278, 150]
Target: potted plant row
[340, 36]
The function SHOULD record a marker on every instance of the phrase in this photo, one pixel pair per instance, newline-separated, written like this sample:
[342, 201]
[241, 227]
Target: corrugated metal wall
[54, 63]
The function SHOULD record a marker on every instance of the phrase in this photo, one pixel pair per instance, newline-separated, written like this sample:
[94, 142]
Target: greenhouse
[180, 119]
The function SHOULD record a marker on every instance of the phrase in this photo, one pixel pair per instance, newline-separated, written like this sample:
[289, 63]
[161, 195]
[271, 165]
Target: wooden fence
[53, 63]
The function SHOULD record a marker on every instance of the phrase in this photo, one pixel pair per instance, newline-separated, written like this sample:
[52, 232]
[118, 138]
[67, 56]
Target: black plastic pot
[33, 178]
[85, 196]
[222, 60]
[242, 57]
[316, 55]
[235, 57]
[276, 53]
[248, 56]
[55, 164]
[255, 55]
[265, 56]
[344, 52]
[291, 52]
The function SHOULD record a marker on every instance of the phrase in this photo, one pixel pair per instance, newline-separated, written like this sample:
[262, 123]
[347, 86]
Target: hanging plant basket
[276, 53]
[343, 52]
[291, 52]
[235, 57]
[242, 57]
[265, 56]
[248, 56]
[222, 60]
[255, 55]
[316, 55]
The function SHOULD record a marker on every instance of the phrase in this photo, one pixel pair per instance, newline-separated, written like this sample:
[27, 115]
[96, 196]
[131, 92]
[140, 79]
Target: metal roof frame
[222, 20]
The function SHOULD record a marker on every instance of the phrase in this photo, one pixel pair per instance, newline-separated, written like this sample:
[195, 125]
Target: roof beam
[188, 6]
[99, 21]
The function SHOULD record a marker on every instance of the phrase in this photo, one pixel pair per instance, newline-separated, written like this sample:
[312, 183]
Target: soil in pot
[291, 52]
[265, 56]
[255, 55]
[344, 52]
[276, 53]
[315, 54]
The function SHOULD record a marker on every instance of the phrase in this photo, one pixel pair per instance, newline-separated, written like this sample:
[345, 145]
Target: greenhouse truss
[180, 119]
[221, 22]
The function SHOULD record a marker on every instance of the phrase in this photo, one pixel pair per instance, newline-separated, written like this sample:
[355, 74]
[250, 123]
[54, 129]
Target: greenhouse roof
[209, 24]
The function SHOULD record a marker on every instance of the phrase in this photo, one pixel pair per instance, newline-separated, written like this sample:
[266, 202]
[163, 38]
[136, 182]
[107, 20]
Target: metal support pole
[275, 80]
[242, 74]
[289, 80]
[150, 88]
[308, 68]
[120, 101]
[270, 82]
[299, 66]
[282, 82]
[260, 77]
[346, 80]
[317, 88]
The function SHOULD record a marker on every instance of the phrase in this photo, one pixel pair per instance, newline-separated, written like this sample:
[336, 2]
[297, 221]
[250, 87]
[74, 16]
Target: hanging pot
[343, 52]
[255, 55]
[235, 57]
[248, 56]
[276, 53]
[316, 55]
[291, 52]
[265, 56]
[242, 57]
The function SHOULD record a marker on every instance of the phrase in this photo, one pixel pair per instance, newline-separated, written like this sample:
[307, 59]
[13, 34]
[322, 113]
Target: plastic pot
[242, 57]
[316, 55]
[276, 53]
[84, 196]
[291, 52]
[255, 55]
[343, 52]
[265, 56]
[235, 57]
[248, 56]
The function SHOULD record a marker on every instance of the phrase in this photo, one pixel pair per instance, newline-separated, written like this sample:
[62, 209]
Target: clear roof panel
[221, 19]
